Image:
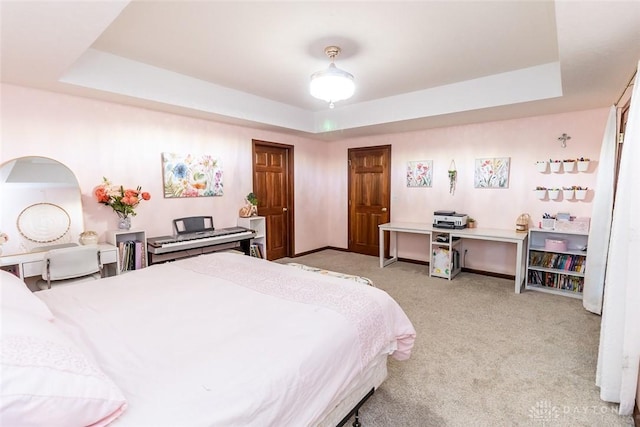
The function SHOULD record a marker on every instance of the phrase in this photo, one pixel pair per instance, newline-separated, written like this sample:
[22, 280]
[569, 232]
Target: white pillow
[47, 381]
[14, 294]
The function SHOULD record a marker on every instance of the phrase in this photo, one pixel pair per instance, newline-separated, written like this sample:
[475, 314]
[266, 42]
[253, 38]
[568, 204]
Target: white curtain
[601, 219]
[619, 352]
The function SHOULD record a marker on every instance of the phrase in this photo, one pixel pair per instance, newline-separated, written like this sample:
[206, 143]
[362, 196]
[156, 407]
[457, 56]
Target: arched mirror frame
[41, 205]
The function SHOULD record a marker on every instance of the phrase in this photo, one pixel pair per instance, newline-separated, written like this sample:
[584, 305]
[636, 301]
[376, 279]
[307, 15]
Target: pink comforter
[229, 340]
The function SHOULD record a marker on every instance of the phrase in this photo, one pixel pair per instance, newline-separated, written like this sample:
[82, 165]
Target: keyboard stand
[242, 245]
[159, 250]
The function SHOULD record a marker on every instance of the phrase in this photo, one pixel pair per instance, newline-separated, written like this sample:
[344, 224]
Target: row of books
[556, 281]
[558, 261]
[132, 255]
[256, 250]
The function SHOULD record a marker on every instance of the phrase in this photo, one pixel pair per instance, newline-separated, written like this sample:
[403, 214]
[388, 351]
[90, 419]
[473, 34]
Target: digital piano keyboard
[180, 242]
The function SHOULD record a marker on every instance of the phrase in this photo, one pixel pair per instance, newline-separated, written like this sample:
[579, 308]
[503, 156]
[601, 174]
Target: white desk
[489, 234]
[30, 264]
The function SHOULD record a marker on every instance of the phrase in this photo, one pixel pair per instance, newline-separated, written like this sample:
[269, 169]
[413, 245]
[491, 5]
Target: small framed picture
[492, 172]
[420, 173]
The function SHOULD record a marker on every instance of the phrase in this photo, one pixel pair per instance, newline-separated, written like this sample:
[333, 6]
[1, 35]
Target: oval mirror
[41, 205]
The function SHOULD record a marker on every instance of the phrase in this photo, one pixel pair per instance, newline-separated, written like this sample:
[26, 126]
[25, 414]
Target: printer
[449, 219]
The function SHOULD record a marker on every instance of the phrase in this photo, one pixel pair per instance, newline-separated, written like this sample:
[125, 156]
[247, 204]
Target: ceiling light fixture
[332, 84]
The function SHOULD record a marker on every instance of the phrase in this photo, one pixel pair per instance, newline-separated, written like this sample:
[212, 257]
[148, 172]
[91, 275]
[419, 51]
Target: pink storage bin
[555, 245]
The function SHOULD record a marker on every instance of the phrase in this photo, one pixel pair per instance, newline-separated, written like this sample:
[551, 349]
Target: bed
[216, 340]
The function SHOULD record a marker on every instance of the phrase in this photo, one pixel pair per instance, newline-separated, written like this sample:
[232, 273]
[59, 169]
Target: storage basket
[578, 225]
[555, 245]
[548, 224]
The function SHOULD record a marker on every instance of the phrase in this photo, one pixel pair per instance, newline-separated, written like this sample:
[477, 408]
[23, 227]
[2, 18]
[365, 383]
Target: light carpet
[484, 355]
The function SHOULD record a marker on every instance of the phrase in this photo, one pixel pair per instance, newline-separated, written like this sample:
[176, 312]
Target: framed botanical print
[492, 172]
[188, 175]
[420, 173]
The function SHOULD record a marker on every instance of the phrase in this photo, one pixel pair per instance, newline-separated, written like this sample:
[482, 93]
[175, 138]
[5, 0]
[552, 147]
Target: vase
[124, 223]
[88, 238]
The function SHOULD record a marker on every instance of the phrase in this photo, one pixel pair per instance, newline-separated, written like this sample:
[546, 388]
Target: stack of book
[565, 262]
[557, 281]
[256, 250]
[132, 255]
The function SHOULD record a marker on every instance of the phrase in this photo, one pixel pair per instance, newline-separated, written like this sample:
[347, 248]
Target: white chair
[70, 265]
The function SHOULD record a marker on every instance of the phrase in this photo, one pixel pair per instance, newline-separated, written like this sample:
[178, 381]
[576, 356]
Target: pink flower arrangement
[122, 201]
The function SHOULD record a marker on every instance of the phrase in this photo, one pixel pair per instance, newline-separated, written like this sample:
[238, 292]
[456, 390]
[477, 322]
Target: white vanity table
[30, 264]
[45, 213]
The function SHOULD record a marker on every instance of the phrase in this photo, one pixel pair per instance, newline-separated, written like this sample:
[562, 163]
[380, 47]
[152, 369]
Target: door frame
[290, 187]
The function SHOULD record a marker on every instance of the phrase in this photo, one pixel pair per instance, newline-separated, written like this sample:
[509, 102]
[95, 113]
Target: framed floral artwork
[188, 175]
[492, 172]
[420, 173]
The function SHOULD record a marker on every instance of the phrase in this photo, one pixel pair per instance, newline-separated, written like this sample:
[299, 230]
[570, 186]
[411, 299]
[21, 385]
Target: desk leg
[381, 245]
[393, 243]
[520, 263]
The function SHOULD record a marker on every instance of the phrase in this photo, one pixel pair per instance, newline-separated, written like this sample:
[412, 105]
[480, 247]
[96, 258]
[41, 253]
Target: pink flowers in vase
[122, 201]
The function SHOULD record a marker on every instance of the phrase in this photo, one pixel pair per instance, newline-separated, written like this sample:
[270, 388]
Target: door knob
[284, 209]
[384, 209]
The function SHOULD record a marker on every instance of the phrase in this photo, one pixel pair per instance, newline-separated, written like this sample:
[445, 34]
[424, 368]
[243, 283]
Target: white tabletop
[471, 233]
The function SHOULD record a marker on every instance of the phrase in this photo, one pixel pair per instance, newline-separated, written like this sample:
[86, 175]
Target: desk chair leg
[100, 265]
[48, 274]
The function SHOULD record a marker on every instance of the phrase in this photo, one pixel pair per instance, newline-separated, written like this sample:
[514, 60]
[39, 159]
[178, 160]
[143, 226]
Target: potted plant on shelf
[567, 193]
[554, 193]
[581, 193]
[541, 165]
[541, 192]
[250, 208]
[569, 165]
[583, 164]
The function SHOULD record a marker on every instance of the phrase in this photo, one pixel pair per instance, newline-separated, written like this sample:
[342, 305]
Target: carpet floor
[484, 356]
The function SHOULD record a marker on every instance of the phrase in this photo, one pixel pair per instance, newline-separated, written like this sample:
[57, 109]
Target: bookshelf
[258, 246]
[132, 249]
[556, 262]
[445, 256]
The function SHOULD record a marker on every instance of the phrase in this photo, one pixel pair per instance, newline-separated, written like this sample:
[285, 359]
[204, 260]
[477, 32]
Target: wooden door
[369, 197]
[273, 186]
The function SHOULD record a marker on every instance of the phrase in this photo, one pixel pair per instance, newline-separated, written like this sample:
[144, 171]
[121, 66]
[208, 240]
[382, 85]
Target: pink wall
[97, 139]
[523, 140]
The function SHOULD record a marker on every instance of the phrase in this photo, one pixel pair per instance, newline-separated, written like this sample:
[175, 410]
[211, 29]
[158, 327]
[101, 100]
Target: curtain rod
[626, 87]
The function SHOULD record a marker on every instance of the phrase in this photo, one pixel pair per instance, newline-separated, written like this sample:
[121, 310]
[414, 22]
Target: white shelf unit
[137, 250]
[258, 243]
[559, 272]
[445, 256]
